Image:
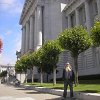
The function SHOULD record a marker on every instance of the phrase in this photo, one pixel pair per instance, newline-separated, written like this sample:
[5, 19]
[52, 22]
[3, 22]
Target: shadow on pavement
[90, 91]
[62, 99]
[21, 89]
[33, 92]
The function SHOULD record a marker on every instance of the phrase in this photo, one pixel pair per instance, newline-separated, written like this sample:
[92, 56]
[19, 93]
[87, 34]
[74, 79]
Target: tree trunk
[41, 76]
[20, 77]
[54, 73]
[25, 77]
[32, 74]
[76, 69]
[47, 76]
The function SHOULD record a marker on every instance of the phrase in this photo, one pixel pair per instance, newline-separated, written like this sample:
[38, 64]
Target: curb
[78, 95]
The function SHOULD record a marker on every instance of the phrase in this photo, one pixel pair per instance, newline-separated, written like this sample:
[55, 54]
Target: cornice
[26, 7]
[70, 3]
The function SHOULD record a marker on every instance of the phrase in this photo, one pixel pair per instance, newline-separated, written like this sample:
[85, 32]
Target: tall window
[93, 10]
[82, 16]
[73, 19]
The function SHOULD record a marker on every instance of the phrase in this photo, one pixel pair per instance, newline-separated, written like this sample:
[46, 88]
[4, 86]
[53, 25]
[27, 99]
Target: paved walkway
[14, 98]
[78, 95]
[8, 92]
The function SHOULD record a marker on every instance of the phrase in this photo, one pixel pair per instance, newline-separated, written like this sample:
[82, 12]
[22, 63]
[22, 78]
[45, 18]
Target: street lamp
[8, 72]
[18, 54]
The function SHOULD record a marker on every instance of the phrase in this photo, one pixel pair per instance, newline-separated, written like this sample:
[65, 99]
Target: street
[15, 93]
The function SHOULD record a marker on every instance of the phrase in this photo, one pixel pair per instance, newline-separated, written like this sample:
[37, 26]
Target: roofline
[23, 10]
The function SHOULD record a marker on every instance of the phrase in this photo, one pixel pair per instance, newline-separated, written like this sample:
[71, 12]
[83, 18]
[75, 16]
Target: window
[93, 10]
[73, 20]
[82, 16]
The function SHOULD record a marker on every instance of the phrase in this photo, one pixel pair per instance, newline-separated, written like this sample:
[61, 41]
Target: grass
[48, 85]
[92, 86]
[88, 88]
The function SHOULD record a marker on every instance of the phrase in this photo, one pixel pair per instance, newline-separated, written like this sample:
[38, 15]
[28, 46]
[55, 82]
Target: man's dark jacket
[72, 77]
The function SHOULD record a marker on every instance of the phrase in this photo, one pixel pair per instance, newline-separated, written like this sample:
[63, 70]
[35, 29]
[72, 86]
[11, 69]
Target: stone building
[44, 19]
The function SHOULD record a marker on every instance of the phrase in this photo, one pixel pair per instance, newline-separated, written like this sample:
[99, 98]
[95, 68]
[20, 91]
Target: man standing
[68, 77]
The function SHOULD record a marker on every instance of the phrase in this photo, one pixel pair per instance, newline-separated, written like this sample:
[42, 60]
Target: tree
[76, 40]
[52, 50]
[36, 60]
[31, 64]
[95, 34]
[47, 69]
[3, 74]
[18, 68]
[24, 63]
[24, 60]
[1, 45]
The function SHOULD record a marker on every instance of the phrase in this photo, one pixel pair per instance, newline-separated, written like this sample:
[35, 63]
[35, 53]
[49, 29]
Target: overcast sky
[10, 30]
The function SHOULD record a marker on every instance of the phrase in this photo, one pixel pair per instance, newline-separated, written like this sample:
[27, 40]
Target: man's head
[67, 63]
[68, 66]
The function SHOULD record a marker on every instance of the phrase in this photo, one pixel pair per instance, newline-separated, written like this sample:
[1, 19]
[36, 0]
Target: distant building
[3, 68]
[10, 69]
[44, 19]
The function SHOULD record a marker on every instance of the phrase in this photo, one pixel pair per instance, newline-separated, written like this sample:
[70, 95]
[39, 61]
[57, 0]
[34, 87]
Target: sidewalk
[78, 95]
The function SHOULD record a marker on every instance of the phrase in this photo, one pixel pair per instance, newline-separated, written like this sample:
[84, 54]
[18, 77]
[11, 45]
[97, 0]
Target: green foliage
[75, 40]
[3, 74]
[37, 57]
[47, 56]
[23, 64]
[18, 66]
[95, 34]
[52, 50]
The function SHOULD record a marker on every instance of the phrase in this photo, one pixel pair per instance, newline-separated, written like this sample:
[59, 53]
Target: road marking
[12, 98]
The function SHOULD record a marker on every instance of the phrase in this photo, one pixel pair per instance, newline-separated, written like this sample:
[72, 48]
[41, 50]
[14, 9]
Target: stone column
[23, 41]
[27, 37]
[88, 19]
[35, 30]
[98, 6]
[31, 41]
[69, 21]
[22, 51]
[38, 27]
[77, 17]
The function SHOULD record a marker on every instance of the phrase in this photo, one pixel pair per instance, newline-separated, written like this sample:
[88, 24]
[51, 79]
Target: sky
[10, 30]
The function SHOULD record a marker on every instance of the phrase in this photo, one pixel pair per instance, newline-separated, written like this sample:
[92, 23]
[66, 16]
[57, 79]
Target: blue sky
[10, 30]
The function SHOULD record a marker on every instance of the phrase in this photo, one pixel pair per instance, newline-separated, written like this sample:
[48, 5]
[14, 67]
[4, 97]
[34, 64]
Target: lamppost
[18, 54]
[8, 72]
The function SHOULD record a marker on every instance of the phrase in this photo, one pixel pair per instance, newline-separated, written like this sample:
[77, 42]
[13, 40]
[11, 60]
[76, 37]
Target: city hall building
[43, 20]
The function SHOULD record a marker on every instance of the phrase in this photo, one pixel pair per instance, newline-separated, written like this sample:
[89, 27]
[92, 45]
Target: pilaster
[38, 27]
[69, 21]
[98, 6]
[23, 41]
[31, 41]
[77, 16]
[88, 19]
[27, 37]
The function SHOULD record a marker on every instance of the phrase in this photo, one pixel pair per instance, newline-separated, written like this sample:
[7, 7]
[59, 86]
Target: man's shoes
[63, 98]
[73, 98]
